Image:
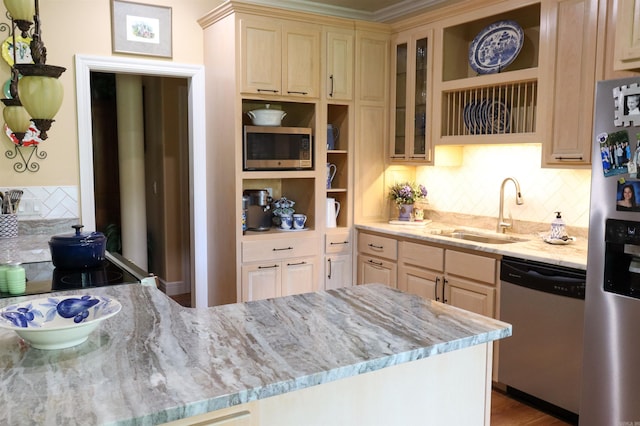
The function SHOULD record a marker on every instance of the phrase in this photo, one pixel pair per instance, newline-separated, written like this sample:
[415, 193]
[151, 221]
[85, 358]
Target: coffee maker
[258, 209]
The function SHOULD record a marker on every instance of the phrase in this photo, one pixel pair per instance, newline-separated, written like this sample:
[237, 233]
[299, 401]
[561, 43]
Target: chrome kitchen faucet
[502, 225]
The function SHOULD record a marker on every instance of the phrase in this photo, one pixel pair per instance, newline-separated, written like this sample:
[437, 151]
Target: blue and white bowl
[58, 322]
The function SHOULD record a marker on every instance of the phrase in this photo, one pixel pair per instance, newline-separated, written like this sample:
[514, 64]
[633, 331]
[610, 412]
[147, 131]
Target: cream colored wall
[71, 27]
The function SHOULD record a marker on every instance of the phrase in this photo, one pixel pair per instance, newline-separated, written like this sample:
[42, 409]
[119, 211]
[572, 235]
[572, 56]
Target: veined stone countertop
[156, 361]
[572, 255]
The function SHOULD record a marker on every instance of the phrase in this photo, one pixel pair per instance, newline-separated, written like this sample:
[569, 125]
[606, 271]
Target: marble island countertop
[533, 246]
[157, 361]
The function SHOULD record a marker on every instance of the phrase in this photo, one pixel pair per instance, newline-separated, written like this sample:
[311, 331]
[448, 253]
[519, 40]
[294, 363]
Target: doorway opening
[164, 196]
[195, 197]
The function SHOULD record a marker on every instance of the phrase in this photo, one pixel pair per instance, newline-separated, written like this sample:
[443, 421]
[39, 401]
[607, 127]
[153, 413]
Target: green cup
[3, 278]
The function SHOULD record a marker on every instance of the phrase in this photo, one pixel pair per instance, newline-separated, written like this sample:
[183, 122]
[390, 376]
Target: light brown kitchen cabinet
[338, 260]
[627, 40]
[461, 279]
[411, 96]
[339, 63]
[470, 282]
[421, 269]
[278, 267]
[377, 259]
[570, 76]
[280, 57]
[372, 118]
[274, 279]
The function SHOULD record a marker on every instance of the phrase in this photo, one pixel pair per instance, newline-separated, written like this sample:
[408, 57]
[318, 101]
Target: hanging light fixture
[39, 91]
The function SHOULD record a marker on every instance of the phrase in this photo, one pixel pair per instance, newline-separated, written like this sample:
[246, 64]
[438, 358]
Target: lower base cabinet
[470, 296]
[338, 271]
[426, 391]
[377, 270]
[275, 279]
[377, 257]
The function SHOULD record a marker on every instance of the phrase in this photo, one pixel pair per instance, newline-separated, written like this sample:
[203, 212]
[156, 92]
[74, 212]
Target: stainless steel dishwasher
[542, 361]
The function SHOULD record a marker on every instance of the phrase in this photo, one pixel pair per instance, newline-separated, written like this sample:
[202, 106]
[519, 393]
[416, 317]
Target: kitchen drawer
[423, 256]
[376, 245]
[337, 242]
[256, 251]
[478, 268]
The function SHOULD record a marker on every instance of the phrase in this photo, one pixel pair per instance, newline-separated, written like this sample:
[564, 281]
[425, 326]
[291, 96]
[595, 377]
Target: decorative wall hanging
[34, 93]
[141, 29]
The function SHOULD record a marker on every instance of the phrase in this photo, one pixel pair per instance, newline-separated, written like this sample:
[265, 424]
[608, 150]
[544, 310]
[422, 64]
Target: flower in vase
[407, 192]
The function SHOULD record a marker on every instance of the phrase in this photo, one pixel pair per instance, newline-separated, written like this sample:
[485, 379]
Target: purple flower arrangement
[407, 192]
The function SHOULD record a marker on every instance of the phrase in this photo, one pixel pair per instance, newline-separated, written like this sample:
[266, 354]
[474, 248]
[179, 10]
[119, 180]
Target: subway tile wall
[48, 202]
[474, 187]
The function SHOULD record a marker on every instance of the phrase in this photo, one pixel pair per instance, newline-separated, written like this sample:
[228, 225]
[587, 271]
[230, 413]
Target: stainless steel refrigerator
[611, 353]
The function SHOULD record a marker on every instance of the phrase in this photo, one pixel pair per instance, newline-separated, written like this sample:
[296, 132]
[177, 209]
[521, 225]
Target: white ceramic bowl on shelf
[266, 116]
[58, 322]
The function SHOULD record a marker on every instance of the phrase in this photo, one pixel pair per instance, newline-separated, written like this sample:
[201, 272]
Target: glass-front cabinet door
[410, 127]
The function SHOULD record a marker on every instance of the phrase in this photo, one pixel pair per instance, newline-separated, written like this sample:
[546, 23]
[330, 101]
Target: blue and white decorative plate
[498, 117]
[58, 322]
[495, 47]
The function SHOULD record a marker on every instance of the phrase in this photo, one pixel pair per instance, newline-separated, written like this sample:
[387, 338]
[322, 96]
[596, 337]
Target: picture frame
[141, 29]
[626, 97]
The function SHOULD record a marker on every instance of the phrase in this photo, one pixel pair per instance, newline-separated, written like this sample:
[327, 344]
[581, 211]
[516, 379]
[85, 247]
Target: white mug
[299, 220]
[333, 208]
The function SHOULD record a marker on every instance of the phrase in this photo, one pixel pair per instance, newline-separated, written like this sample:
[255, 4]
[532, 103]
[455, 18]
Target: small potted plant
[405, 195]
[282, 207]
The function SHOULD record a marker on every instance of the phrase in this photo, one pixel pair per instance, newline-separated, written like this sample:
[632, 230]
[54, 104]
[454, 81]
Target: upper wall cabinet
[627, 50]
[570, 76]
[280, 57]
[485, 84]
[339, 60]
[411, 96]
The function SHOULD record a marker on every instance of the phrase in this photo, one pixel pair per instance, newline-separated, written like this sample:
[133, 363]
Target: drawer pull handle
[436, 289]
[338, 243]
[374, 262]
[296, 264]
[293, 92]
[331, 91]
[329, 261]
[268, 90]
[267, 267]
[373, 246]
[283, 249]
[569, 158]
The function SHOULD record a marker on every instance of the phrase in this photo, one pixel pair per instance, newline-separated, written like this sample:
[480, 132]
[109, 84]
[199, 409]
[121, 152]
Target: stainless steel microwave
[277, 148]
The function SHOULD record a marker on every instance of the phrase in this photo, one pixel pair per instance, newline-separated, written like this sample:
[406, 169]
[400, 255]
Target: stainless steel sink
[481, 237]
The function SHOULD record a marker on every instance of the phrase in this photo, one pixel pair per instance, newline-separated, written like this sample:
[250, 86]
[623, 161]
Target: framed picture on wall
[141, 29]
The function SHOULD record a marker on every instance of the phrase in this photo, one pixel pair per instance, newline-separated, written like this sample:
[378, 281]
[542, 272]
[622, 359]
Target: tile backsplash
[48, 202]
[474, 187]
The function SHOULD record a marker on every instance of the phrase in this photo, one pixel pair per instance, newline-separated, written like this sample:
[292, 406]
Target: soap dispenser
[558, 230]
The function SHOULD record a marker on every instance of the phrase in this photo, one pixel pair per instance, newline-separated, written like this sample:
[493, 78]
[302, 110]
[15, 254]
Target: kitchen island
[334, 353]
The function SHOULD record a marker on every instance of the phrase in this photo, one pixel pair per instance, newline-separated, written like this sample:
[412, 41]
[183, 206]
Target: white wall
[474, 187]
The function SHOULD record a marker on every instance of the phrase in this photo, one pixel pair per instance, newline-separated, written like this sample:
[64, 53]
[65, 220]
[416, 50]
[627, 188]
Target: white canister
[333, 209]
